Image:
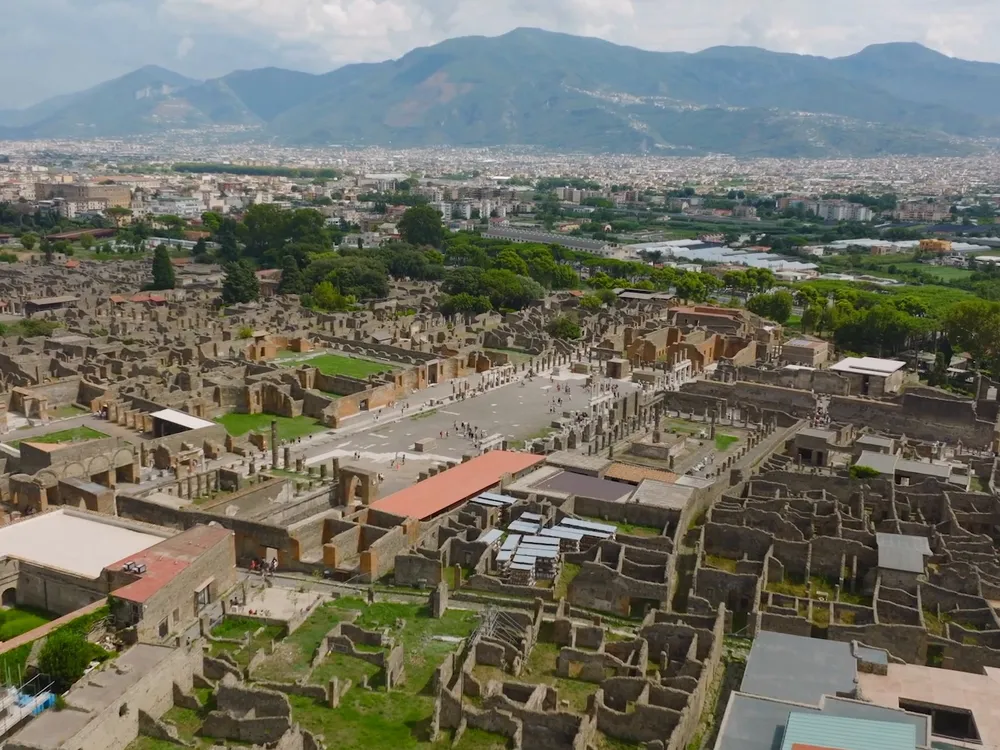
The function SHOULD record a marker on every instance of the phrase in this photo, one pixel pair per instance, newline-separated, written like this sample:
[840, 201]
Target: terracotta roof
[635, 474]
[72, 264]
[164, 561]
[117, 298]
[451, 487]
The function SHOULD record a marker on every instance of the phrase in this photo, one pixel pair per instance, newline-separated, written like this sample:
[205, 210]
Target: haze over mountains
[561, 92]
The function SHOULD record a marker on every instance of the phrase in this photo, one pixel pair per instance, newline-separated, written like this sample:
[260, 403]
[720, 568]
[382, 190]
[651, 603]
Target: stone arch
[75, 469]
[98, 464]
[123, 455]
[9, 597]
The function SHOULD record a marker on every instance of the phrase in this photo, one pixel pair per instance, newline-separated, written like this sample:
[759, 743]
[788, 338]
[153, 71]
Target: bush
[864, 472]
[64, 658]
[245, 332]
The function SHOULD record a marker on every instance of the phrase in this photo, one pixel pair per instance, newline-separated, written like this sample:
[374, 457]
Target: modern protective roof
[868, 366]
[180, 418]
[78, 543]
[902, 552]
[578, 523]
[883, 463]
[842, 733]
[799, 669]
[569, 483]
[442, 491]
[490, 537]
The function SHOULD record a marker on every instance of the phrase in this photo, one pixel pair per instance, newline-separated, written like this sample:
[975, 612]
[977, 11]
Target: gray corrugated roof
[755, 723]
[794, 668]
[902, 552]
[858, 710]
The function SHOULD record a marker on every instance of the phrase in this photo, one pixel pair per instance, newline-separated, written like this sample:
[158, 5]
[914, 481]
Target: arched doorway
[9, 597]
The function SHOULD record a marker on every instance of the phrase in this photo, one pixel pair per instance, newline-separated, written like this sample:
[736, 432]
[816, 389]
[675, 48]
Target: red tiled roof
[165, 561]
[72, 264]
[118, 298]
[442, 491]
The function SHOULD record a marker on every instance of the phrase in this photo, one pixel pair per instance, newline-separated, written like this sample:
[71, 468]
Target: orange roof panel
[440, 492]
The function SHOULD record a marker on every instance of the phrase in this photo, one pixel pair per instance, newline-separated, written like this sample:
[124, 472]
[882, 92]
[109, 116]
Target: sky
[50, 47]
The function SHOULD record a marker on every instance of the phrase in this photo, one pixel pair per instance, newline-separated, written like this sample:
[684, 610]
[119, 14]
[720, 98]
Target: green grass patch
[344, 667]
[423, 415]
[16, 621]
[934, 624]
[289, 428]
[336, 364]
[942, 273]
[541, 668]
[399, 720]
[236, 627]
[79, 434]
[293, 656]
[722, 442]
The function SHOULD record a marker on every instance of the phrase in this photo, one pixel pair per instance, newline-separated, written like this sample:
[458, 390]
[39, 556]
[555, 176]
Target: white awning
[180, 418]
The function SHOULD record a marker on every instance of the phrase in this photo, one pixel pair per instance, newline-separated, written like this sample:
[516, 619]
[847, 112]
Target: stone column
[288, 457]
[274, 444]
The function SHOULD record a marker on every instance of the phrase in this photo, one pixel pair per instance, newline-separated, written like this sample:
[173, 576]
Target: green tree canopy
[421, 225]
[163, 269]
[564, 328]
[776, 306]
[241, 284]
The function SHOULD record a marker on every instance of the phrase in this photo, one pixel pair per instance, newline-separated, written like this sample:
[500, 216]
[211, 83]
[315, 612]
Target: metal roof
[841, 733]
[799, 669]
[530, 517]
[561, 532]
[498, 498]
[578, 523]
[586, 532]
[524, 527]
[902, 552]
[488, 503]
[491, 537]
[511, 542]
[545, 541]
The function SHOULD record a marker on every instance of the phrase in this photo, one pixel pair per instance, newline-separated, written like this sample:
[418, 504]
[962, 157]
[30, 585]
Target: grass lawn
[15, 621]
[722, 442]
[242, 655]
[399, 720]
[541, 668]
[236, 627]
[336, 364]
[67, 411]
[289, 428]
[944, 273]
[291, 659]
[79, 434]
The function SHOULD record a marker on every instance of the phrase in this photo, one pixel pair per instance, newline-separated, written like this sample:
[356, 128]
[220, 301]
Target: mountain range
[567, 93]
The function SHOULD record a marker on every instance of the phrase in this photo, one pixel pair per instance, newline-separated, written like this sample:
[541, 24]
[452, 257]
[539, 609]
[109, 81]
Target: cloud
[184, 46]
[205, 38]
